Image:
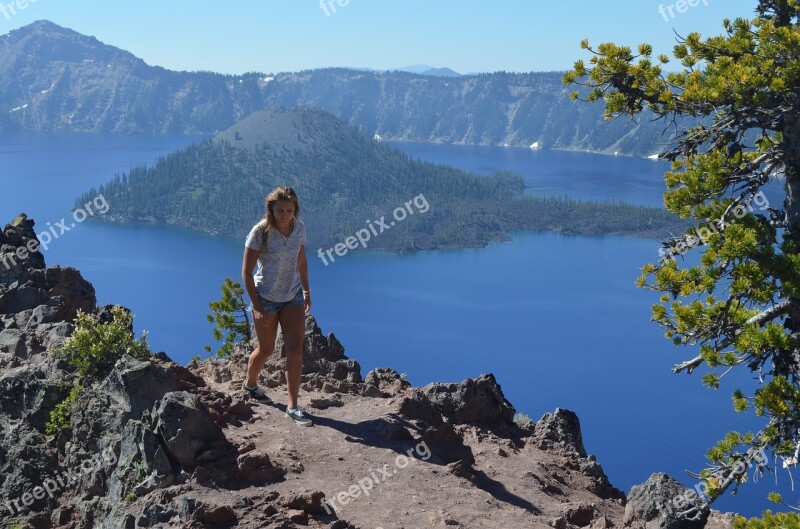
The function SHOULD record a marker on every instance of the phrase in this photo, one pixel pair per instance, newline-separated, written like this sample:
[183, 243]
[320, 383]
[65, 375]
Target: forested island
[346, 183]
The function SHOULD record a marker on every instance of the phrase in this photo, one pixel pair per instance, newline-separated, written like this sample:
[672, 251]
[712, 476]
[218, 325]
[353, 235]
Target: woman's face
[283, 211]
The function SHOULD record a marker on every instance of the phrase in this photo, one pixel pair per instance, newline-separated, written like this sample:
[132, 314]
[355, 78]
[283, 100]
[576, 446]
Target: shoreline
[522, 147]
[506, 237]
[201, 136]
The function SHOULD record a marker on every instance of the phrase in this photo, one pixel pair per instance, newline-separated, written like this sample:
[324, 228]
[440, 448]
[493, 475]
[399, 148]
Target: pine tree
[230, 316]
[740, 306]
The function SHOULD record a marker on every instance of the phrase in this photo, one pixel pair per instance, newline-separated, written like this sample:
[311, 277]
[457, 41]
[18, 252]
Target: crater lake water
[555, 318]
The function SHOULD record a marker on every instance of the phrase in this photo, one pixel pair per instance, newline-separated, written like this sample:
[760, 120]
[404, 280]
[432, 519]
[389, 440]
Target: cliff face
[52, 78]
[56, 79]
[156, 444]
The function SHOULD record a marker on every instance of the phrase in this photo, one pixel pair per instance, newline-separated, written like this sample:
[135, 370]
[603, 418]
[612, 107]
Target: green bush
[781, 520]
[59, 416]
[94, 347]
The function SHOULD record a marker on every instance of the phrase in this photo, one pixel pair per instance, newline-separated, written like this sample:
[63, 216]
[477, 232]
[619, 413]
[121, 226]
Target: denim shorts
[275, 306]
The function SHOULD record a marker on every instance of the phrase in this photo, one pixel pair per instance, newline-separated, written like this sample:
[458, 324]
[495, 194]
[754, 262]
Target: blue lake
[579, 175]
[557, 319]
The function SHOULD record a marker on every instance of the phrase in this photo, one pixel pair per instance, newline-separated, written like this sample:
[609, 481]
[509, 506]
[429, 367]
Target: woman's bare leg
[266, 331]
[293, 323]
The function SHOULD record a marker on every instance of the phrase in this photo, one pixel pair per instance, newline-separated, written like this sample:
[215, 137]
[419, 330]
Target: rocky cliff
[151, 443]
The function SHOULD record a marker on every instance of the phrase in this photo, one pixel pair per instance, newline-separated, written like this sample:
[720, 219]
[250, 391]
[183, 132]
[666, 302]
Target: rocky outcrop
[479, 401]
[559, 431]
[37, 306]
[187, 430]
[386, 383]
[416, 406]
[472, 401]
[37, 303]
[663, 503]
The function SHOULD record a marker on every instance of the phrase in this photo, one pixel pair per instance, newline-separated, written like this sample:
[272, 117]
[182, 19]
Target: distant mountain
[349, 184]
[421, 69]
[416, 68]
[52, 78]
[441, 72]
[424, 69]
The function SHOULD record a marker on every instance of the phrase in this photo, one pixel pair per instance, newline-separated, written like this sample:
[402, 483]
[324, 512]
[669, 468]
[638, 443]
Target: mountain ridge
[55, 79]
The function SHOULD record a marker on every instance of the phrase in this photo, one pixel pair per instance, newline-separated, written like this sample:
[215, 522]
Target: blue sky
[290, 35]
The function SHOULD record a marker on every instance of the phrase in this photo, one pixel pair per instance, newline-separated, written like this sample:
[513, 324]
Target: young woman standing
[279, 293]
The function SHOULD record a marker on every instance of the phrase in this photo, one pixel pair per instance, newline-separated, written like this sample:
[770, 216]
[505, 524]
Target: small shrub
[94, 347]
[60, 415]
[781, 520]
[229, 314]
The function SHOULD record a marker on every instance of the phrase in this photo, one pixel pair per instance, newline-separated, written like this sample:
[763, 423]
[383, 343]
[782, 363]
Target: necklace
[285, 237]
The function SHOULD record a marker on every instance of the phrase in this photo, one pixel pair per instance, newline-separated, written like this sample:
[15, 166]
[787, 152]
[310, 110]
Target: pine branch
[759, 319]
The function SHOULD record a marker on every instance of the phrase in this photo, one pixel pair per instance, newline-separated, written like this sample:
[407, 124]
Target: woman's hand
[307, 299]
[258, 314]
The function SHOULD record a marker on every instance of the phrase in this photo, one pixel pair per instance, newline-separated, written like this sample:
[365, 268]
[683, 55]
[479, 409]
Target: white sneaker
[298, 416]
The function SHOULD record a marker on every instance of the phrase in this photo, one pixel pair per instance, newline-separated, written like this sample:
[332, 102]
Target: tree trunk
[791, 144]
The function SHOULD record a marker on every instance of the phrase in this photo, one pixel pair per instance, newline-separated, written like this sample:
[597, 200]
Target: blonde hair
[278, 194]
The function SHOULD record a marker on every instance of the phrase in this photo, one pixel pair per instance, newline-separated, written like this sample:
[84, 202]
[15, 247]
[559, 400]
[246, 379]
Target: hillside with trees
[347, 182]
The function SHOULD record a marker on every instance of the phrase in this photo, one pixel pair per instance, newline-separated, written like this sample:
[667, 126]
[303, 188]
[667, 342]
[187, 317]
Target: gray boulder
[137, 384]
[559, 431]
[387, 381]
[186, 428]
[143, 463]
[479, 401]
[663, 503]
[416, 406]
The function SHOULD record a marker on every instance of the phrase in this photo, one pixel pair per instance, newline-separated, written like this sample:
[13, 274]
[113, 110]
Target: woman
[279, 292]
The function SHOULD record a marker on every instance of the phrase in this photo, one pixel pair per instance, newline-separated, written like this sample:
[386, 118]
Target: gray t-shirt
[277, 277]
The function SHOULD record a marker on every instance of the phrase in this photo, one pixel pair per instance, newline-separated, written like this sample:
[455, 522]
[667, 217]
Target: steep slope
[501, 108]
[53, 78]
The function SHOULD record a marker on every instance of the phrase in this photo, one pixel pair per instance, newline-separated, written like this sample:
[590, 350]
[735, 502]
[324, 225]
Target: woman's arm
[248, 264]
[302, 267]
